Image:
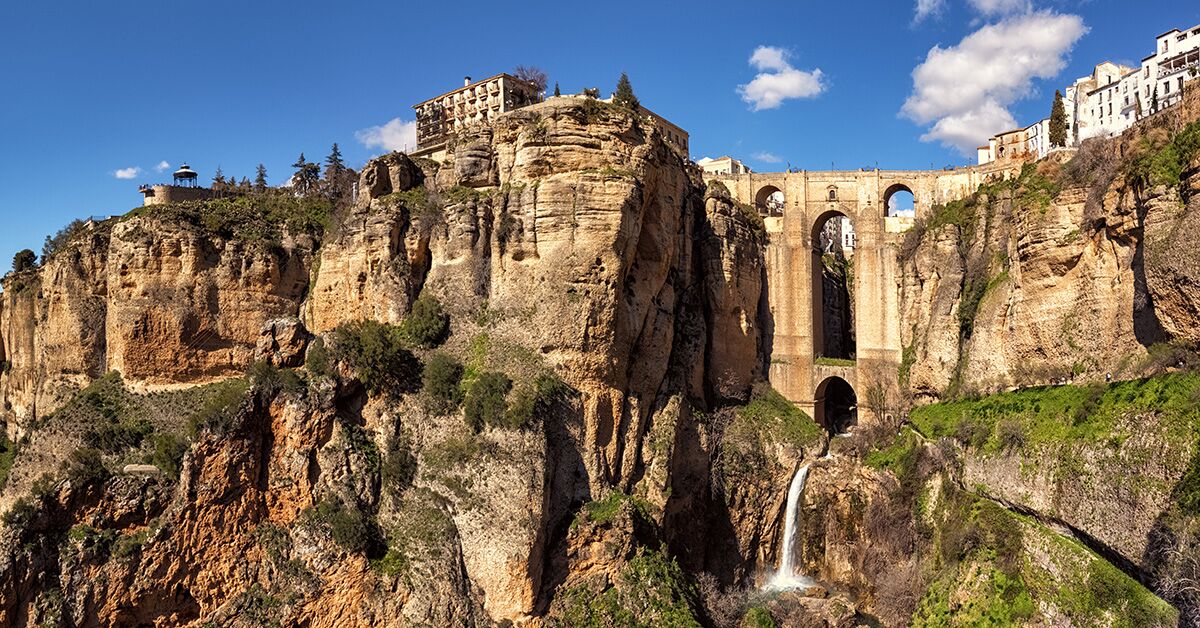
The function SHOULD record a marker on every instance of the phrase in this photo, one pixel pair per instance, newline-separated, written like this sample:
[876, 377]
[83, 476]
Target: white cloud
[964, 91]
[777, 80]
[162, 166]
[127, 173]
[991, 8]
[395, 135]
[770, 158]
[926, 8]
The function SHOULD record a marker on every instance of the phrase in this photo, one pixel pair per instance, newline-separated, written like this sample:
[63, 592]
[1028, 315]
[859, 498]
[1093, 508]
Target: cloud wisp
[777, 80]
[927, 8]
[924, 9]
[127, 173]
[964, 91]
[770, 158]
[395, 134]
[162, 166]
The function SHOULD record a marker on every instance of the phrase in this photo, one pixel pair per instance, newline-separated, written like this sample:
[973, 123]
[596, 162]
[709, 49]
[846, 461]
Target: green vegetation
[650, 590]
[273, 380]
[317, 360]
[427, 325]
[604, 511]
[398, 468]
[8, 453]
[1034, 189]
[624, 96]
[1165, 164]
[349, 526]
[531, 400]
[441, 380]
[1053, 415]
[771, 414]
[484, 402]
[823, 361]
[1058, 121]
[259, 218]
[220, 408]
[24, 260]
[379, 355]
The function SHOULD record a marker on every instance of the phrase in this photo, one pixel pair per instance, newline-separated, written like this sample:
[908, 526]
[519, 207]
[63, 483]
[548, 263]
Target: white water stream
[786, 577]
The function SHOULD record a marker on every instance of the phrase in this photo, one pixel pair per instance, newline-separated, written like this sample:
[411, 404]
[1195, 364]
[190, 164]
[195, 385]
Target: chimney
[466, 81]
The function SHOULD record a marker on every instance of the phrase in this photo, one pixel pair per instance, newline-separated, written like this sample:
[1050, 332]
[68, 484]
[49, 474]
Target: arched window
[833, 194]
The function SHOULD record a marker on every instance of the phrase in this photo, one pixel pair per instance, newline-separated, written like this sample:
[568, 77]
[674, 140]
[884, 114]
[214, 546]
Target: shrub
[85, 466]
[442, 378]
[1011, 434]
[8, 454]
[273, 380]
[316, 361]
[399, 467]
[168, 453]
[21, 514]
[350, 528]
[377, 353]
[25, 259]
[426, 325]
[59, 240]
[534, 399]
[484, 403]
[120, 435]
[219, 410]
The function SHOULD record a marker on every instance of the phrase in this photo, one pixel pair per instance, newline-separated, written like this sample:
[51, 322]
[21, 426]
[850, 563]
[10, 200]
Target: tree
[534, 75]
[556, 90]
[1058, 121]
[260, 178]
[334, 166]
[218, 179]
[624, 96]
[307, 175]
[24, 260]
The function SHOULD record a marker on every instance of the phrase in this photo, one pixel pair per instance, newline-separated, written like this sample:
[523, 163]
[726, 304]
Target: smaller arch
[899, 200]
[833, 192]
[835, 405]
[769, 201]
[818, 226]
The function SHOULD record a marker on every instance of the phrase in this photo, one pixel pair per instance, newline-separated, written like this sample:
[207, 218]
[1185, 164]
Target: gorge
[560, 378]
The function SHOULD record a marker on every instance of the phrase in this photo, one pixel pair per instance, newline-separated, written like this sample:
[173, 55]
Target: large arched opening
[836, 405]
[899, 200]
[833, 241]
[769, 201]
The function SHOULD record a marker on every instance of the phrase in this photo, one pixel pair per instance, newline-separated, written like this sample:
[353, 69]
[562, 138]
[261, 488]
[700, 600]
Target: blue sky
[92, 88]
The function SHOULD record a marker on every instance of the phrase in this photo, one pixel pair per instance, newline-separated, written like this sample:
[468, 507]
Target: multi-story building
[1114, 96]
[723, 165]
[1175, 61]
[473, 103]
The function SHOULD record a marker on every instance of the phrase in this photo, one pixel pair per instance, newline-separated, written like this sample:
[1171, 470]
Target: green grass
[650, 590]
[770, 414]
[1057, 414]
[605, 510]
[833, 362]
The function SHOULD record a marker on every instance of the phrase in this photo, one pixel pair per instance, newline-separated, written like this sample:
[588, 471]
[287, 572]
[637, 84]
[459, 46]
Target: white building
[723, 165]
[1176, 60]
[1114, 96]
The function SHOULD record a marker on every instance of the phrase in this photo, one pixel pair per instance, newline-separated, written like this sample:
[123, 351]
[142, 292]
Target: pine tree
[260, 178]
[556, 90]
[245, 184]
[218, 179]
[24, 260]
[334, 166]
[307, 175]
[624, 96]
[1058, 122]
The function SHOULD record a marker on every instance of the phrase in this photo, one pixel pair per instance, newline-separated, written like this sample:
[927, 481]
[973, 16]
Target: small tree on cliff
[334, 166]
[307, 175]
[533, 75]
[557, 92]
[24, 260]
[260, 178]
[218, 181]
[624, 95]
[1058, 121]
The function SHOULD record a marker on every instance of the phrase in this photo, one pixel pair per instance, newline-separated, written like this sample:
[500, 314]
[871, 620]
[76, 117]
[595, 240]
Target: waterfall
[786, 577]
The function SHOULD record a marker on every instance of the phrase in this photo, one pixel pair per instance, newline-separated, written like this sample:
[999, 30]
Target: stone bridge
[794, 269]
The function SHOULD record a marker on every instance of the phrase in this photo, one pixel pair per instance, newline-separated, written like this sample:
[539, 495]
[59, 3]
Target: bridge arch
[899, 200]
[769, 201]
[833, 308]
[835, 405]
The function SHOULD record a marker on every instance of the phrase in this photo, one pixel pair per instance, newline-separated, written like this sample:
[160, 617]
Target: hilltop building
[1110, 99]
[480, 102]
[474, 103]
[723, 165]
[183, 187]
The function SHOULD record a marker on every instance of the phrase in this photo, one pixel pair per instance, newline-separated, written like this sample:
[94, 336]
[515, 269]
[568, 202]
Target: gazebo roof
[185, 172]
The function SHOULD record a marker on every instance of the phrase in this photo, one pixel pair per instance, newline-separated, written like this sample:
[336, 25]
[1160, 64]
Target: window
[833, 191]
[1146, 71]
[1166, 87]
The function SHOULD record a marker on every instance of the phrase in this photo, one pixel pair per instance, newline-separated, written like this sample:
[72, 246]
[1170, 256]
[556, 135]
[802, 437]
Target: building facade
[474, 103]
[723, 165]
[1113, 97]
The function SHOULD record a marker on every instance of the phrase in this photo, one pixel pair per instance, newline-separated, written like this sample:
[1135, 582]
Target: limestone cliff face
[568, 236]
[160, 301]
[1074, 269]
